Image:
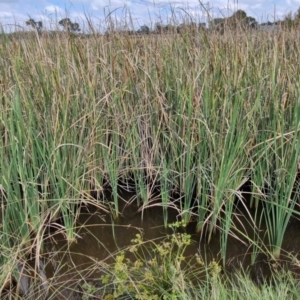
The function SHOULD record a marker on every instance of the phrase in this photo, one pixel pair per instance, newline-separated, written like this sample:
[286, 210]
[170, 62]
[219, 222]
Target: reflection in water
[32, 282]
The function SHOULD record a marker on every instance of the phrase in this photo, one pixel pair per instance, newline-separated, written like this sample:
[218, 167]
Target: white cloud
[5, 15]
[53, 9]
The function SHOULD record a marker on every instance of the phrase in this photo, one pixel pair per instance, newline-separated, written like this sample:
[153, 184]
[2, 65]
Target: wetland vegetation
[199, 123]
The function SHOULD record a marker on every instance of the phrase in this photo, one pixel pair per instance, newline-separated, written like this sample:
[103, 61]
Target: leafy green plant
[156, 270]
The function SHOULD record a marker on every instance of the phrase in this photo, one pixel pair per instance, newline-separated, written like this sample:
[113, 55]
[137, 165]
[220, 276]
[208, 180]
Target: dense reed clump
[195, 114]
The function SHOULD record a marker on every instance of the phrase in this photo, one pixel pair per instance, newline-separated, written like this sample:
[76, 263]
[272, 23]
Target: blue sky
[140, 11]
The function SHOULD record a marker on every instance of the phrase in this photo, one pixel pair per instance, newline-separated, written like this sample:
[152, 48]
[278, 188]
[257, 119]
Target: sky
[14, 13]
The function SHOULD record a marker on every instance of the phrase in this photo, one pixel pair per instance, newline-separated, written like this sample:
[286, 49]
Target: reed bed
[192, 115]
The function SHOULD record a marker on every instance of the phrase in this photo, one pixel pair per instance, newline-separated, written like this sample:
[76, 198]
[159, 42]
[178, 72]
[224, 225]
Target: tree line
[239, 20]
[66, 23]
[292, 20]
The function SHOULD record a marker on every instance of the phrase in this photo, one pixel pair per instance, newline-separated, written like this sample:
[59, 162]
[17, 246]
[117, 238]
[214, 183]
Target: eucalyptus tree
[38, 26]
[238, 20]
[69, 25]
[144, 30]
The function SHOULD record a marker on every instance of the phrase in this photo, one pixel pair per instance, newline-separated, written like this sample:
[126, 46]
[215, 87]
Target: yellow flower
[133, 249]
[138, 264]
[148, 276]
[215, 268]
[105, 279]
[153, 262]
[199, 260]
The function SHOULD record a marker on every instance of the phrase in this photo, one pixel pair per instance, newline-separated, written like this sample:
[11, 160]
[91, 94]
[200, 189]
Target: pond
[64, 269]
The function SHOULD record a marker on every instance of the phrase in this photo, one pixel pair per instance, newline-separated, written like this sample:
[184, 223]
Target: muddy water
[100, 238]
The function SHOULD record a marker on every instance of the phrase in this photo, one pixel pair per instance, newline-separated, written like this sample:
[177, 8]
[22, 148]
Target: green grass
[197, 115]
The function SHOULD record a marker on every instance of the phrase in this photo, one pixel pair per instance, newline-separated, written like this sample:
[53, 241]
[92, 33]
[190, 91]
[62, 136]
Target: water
[67, 268]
